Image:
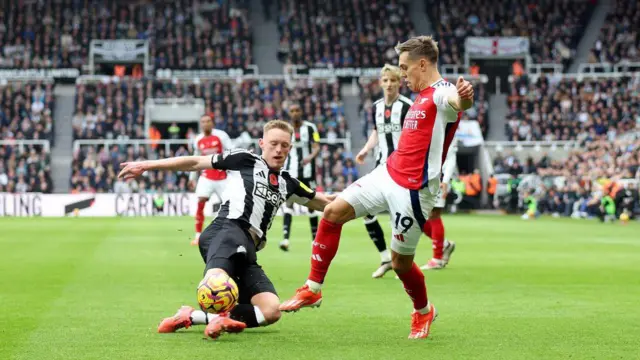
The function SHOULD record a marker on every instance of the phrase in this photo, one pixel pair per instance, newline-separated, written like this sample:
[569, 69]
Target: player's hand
[305, 161]
[131, 170]
[361, 156]
[464, 88]
[331, 197]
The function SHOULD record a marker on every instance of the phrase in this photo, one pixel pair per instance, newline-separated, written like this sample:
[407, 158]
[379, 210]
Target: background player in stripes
[257, 187]
[388, 117]
[302, 165]
[407, 187]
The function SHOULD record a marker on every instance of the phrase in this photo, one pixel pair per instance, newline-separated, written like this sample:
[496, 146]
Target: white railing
[544, 68]
[595, 68]
[500, 146]
[77, 144]
[626, 66]
[22, 143]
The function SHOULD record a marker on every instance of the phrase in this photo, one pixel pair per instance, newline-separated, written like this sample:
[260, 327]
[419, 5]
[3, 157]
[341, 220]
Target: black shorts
[227, 245]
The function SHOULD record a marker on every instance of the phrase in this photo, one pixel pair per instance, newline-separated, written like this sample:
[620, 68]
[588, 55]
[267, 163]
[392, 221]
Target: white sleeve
[227, 144]
[450, 164]
[441, 99]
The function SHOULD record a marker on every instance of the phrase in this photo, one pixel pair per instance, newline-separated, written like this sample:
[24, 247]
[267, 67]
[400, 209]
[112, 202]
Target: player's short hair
[277, 124]
[293, 103]
[390, 69]
[420, 46]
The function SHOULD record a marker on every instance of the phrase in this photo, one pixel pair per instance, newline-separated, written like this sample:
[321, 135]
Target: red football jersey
[428, 130]
[215, 143]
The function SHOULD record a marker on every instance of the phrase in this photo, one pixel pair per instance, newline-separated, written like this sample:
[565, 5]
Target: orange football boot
[182, 319]
[222, 324]
[304, 297]
[421, 323]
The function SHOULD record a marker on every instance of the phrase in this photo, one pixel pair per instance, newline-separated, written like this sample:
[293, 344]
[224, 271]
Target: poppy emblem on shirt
[297, 136]
[273, 179]
[387, 113]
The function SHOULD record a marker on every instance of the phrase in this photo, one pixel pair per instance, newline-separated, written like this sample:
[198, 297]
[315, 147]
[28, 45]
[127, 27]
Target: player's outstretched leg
[412, 278]
[324, 249]
[286, 227]
[199, 220]
[377, 236]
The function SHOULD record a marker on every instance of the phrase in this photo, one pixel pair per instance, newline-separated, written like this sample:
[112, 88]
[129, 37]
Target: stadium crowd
[553, 27]
[115, 110]
[183, 33]
[577, 185]
[619, 38]
[355, 33]
[26, 113]
[553, 108]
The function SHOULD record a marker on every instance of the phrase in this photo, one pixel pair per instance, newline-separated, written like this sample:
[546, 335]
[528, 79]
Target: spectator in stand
[619, 38]
[182, 34]
[566, 109]
[341, 34]
[553, 27]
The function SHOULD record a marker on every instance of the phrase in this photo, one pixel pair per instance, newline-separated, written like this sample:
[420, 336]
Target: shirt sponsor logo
[410, 124]
[272, 197]
[416, 114]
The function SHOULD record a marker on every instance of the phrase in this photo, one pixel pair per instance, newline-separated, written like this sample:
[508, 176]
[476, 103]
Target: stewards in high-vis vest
[492, 185]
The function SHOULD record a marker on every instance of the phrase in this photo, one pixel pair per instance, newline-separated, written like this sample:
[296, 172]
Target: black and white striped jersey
[388, 120]
[254, 192]
[302, 140]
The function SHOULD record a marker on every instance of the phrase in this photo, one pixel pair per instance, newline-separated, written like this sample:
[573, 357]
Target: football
[217, 293]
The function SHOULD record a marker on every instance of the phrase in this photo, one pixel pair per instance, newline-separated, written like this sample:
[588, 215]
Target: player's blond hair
[277, 124]
[391, 70]
[420, 46]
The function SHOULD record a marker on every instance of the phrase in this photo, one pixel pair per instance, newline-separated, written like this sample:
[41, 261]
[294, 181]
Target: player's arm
[303, 195]
[226, 161]
[458, 98]
[315, 146]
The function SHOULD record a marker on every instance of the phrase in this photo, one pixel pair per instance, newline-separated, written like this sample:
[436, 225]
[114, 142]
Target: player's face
[412, 71]
[206, 123]
[275, 145]
[295, 113]
[390, 85]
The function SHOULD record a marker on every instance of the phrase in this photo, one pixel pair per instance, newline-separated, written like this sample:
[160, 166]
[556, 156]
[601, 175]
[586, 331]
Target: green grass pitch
[79, 288]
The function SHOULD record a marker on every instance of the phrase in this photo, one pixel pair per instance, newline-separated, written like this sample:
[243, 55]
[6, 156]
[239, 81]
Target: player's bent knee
[435, 213]
[272, 314]
[339, 212]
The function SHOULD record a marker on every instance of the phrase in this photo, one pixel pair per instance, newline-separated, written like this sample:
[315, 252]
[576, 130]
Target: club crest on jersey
[273, 179]
[423, 100]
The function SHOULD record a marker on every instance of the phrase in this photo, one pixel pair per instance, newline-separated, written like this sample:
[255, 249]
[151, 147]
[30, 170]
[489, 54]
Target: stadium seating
[554, 27]
[26, 111]
[619, 38]
[184, 33]
[108, 110]
[568, 109]
[371, 91]
[344, 34]
[24, 170]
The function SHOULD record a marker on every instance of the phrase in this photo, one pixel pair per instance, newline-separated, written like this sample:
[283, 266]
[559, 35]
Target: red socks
[436, 233]
[415, 287]
[325, 247]
[200, 216]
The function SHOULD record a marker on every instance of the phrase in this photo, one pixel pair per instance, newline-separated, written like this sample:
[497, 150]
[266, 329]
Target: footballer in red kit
[211, 181]
[407, 187]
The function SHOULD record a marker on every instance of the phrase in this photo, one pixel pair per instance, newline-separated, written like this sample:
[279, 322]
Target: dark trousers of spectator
[491, 197]
[513, 203]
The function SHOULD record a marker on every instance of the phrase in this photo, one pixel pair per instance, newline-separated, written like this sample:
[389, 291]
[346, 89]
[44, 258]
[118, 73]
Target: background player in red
[407, 187]
[211, 181]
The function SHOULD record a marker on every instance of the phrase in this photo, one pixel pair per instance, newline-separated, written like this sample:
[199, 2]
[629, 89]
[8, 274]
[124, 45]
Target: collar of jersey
[269, 167]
